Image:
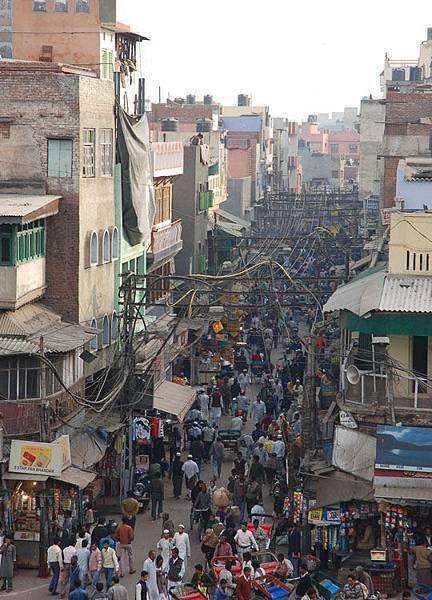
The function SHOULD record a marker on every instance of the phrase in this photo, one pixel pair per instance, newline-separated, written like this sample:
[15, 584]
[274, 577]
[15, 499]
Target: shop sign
[327, 515]
[140, 429]
[347, 420]
[36, 458]
[64, 442]
[403, 449]
[315, 514]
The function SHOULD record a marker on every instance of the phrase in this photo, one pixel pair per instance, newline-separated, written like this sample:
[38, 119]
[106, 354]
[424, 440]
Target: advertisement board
[407, 449]
[36, 458]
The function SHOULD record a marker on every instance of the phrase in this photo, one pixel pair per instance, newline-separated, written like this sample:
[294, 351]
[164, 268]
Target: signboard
[347, 420]
[36, 458]
[64, 441]
[327, 515]
[404, 449]
[140, 429]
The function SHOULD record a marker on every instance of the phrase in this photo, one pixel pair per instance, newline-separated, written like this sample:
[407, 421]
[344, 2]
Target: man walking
[150, 567]
[217, 455]
[182, 543]
[191, 471]
[216, 407]
[177, 475]
[244, 540]
[141, 591]
[176, 569]
[129, 508]
[55, 563]
[157, 496]
[208, 435]
[125, 536]
[117, 591]
[83, 555]
[95, 564]
[164, 546]
[110, 564]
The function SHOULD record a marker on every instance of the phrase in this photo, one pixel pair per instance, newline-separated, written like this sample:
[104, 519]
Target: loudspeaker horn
[353, 375]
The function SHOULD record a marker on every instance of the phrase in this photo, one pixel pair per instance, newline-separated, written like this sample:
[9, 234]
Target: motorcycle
[141, 490]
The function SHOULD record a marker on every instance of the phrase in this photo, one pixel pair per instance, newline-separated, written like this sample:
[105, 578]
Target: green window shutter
[210, 199]
[202, 201]
[110, 65]
[201, 263]
[104, 71]
[59, 158]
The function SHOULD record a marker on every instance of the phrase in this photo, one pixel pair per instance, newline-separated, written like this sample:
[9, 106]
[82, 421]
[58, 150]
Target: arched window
[114, 244]
[114, 327]
[106, 246]
[94, 341]
[105, 331]
[94, 254]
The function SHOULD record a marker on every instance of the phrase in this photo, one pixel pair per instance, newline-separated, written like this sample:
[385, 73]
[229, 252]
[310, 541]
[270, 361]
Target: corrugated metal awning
[174, 399]
[21, 208]
[402, 293]
[404, 495]
[360, 296]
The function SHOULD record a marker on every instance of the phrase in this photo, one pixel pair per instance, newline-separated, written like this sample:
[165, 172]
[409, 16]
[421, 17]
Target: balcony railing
[165, 242]
[167, 158]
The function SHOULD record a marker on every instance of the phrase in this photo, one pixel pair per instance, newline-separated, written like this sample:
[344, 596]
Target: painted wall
[410, 232]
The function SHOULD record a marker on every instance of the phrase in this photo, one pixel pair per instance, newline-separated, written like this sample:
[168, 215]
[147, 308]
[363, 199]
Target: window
[88, 153]
[59, 158]
[114, 244]
[106, 246]
[61, 6]
[93, 344]
[407, 260]
[107, 64]
[94, 254]
[40, 5]
[353, 148]
[158, 288]
[30, 241]
[19, 378]
[82, 6]
[6, 246]
[106, 144]
[105, 332]
[114, 327]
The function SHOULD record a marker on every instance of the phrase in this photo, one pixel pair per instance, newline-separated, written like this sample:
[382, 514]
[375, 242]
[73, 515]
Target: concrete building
[414, 183]
[314, 138]
[57, 139]
[193, 199]
[339, 120]
[286, 164]
[186, 114]
[345, 144]
[321, 170]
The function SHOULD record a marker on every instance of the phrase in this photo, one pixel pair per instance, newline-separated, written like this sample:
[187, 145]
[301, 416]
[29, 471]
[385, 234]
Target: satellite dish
[353, 375]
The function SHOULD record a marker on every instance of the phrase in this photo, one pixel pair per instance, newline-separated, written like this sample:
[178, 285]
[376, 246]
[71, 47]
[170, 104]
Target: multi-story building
[339, 120]
[57, 139]
[314, 138]
[286, 164]
[345, 144]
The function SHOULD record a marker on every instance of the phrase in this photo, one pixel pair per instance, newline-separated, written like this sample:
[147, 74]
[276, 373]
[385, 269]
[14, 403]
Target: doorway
[420, 359]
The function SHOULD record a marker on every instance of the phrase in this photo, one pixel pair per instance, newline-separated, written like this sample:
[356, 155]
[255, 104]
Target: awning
[361, 296]
[87, 449]
[76, 476]
[337, 487]
[174, 399]
[23, 477]
[21, 208]
[230, 229]
[234, 219]
[404, 495]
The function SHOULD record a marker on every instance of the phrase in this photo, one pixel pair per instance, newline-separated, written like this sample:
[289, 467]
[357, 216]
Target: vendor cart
[267, 560]
[327, 587]
[186, 591]
[268, 586]
[218, 564]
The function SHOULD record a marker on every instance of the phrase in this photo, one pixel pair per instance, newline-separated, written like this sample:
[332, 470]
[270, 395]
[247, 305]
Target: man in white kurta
[164, 546]
[150, 566]
[181, 541]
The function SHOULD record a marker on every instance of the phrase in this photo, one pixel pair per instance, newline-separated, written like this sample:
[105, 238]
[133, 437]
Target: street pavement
[27, 585]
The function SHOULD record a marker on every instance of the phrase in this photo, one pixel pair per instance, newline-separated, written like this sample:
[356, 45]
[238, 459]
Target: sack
[221, 498]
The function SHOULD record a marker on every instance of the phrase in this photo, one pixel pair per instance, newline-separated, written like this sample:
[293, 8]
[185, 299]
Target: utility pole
[44, 501]
[309, 403]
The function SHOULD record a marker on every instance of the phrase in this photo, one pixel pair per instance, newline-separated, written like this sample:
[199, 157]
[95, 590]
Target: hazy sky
[297, 56]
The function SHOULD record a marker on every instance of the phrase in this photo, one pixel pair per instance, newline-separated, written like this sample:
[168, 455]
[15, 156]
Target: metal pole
[44, 500]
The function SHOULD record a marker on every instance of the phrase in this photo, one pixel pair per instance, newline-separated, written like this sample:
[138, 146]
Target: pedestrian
[95, 564]
[197, 451]
[244, 585]
[256, 470]
[201, 580]
[237, 423]
[167, 523]
[284, 568]
[364, 578]
[176, 570]
[305, 582]
[82, 535]
[78, 593]
[68, 554]
[257, 570]
[216, 407]
[253, 491]
[177, 475]
[110, 564]
[258, 512]
[129, 508]
[239, 464]
[422, 561]
[260, 535]
[217, 455]
[244, 540]
[208, 544]
[8, 559]
[141, 591]
[270, 468]
[279, 450]
[157, 496]
[204, 404]
[258, 410]
[150, 567]
[117, 591]
[202, 505]
[75, 580]
[83, 555]
[174, 441]
[99, 532]
[239, 494]
[161, 579]
[182, 543]
[191, 472]
[208, 435]
[124, 535]
[55, 563]
[99, 593]
[164, 546]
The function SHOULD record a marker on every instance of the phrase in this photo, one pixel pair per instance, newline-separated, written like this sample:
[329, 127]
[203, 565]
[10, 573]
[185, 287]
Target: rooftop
[21, 208]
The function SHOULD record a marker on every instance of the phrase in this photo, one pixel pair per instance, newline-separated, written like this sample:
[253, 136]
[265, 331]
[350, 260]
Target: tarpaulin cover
[137, 178]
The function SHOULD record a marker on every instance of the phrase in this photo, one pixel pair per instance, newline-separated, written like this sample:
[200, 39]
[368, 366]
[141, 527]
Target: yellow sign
[63, 440]
[217, 326]
[315, 514]
[36, 458]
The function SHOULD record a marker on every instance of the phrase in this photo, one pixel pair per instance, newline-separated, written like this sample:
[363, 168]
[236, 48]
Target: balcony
[166, 242]
[22, 283]
[167, 158]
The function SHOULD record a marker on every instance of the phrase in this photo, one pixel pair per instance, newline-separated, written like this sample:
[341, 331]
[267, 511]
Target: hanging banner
[36, 458]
